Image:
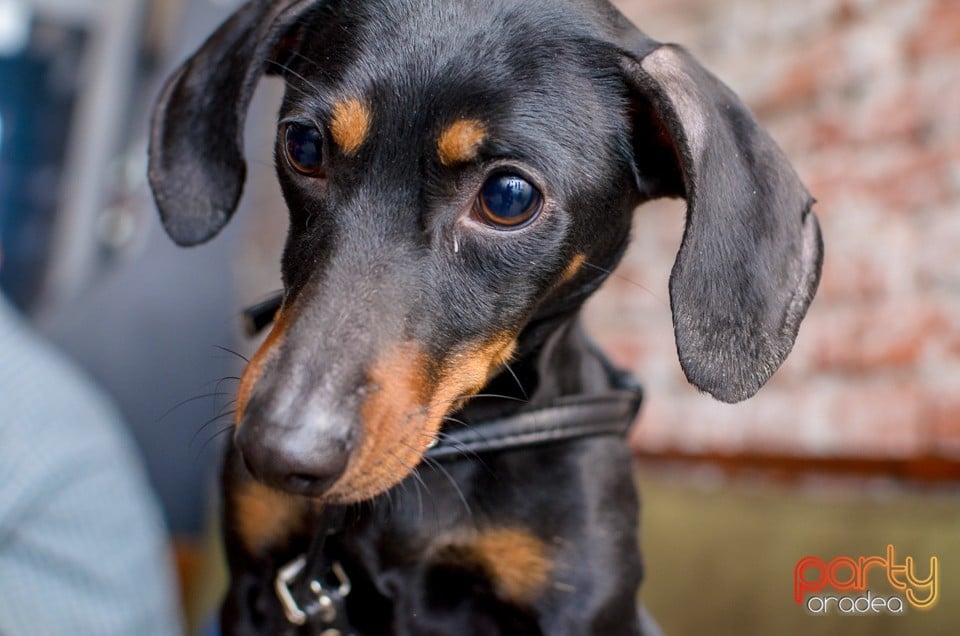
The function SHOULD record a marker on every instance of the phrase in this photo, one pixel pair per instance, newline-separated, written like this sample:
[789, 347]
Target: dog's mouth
[359, 454]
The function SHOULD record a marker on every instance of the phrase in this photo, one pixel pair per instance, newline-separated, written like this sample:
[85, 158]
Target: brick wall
[864, 96]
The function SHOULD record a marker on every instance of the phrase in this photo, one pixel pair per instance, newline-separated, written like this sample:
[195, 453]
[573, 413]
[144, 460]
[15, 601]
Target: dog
[426, 439]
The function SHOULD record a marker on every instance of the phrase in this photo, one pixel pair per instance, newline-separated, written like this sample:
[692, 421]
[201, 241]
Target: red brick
[879, 418]
[938, 265]
[852, 277]
[867, 339]
[894, 178]
[939, 33]
[810, 71]
[941, 419]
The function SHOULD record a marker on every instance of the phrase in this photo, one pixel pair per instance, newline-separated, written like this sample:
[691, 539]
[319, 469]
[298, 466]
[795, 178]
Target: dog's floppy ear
[750, 259]
[197, 168]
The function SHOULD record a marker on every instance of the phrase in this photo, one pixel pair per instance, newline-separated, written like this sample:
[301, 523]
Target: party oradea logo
[866, 585]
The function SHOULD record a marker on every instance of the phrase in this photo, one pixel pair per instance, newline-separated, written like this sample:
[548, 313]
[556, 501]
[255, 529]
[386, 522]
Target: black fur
[601, 118]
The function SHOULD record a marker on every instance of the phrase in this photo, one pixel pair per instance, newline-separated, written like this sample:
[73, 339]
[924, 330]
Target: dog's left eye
[303, 147]
[508, 201]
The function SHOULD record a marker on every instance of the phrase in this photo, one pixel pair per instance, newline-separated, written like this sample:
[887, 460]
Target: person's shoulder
[53, 417]
[42, 389]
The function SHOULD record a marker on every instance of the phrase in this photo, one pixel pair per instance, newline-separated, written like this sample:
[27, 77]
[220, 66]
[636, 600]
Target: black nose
[302, 460]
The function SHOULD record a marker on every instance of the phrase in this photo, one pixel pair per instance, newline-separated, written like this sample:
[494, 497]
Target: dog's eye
[303, 147]
[508, 201]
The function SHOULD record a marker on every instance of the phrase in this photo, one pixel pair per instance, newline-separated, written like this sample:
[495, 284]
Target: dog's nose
[300, 460]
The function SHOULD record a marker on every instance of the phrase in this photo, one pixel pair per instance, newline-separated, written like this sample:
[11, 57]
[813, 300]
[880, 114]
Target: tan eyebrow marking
[460, 141]
[350, 124]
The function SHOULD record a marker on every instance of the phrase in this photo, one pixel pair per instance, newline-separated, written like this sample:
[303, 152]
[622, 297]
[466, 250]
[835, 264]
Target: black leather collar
[566, 418]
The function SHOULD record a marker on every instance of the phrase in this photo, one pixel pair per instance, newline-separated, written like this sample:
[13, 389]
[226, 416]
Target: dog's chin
[388, 455]
[402, 419]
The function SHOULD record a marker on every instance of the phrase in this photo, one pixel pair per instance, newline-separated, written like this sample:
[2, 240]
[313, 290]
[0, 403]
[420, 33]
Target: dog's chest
[461, 581]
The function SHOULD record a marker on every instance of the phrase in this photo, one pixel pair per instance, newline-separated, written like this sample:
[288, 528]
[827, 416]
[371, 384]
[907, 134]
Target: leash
[313, 590]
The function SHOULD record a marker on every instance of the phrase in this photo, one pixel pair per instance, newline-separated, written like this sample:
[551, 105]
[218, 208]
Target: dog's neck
[560, 363]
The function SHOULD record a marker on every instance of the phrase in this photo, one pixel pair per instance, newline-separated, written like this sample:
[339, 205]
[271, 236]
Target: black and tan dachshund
[460, 176]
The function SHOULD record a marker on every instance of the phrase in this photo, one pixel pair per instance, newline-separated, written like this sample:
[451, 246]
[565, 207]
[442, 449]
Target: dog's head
[458, 171]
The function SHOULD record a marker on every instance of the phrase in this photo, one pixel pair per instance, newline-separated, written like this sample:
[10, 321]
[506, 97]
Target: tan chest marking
[517, 562]
[266, 519]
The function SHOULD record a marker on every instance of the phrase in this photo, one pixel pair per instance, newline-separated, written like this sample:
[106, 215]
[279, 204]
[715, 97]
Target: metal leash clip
[326, 601]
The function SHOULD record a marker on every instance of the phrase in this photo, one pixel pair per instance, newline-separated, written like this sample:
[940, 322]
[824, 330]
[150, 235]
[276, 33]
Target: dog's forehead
[397, 30]
[468, 71]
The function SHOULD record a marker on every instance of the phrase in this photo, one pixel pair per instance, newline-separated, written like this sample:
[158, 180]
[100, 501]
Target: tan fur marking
[403, 416]
[397, 426]
[517, 562]
[254, 368]
[469, 369]
[265, 518]
[460, 141]
[350, 124]
[576, 264]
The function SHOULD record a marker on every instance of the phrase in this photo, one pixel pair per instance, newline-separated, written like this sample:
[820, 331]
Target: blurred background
[853, 445]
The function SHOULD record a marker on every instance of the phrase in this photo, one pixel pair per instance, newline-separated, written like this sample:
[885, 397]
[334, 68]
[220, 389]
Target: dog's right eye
[303, 147]
[508, 201]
